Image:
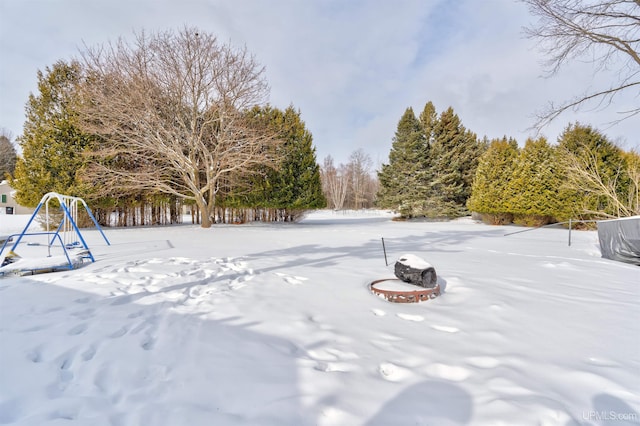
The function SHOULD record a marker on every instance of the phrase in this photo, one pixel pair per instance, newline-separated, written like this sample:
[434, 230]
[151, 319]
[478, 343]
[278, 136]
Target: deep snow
[274, 324]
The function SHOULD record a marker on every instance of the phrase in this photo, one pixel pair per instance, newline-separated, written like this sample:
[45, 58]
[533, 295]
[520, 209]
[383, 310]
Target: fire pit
[398, 291]
[416, 281]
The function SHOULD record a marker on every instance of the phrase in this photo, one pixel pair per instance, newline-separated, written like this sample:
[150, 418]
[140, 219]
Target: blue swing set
[74, 247]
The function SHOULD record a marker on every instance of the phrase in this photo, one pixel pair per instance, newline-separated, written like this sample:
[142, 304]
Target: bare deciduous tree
[585, 175]
[633, 173]
[602, 31]
[334, 183]
[351, 185]
[7, 154]
[171, 111]
[359, 173]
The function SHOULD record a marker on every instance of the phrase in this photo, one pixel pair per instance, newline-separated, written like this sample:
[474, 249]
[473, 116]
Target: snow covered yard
[274, 325]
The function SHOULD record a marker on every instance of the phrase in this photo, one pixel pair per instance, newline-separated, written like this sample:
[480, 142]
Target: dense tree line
[140, 129]
[282, 193]
[432, 162]
[174, 118]
[583, 176]
[439, 169]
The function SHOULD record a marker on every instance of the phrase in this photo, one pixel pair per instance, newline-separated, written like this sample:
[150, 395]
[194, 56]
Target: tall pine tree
[454, 158]
[402, 183]
[52, 144]
[297, 181]
[428, 121]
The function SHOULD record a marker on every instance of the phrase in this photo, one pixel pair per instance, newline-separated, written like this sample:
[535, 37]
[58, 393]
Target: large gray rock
[414, 270]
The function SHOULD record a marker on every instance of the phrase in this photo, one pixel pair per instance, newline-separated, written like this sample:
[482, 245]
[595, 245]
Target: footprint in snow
[119, 333]
[332, 354]
[239, 283]
[135, 314]
[445, 328]
[483, 361]
[65, 375]
[378, 312]
[36, 328]
[291, 279]
[393, 373]
[331, 367]
[78, 329]
[88, 354]
[408, 317]
[35, 355]
[122, 300]
[147, 343]
[330, 360]
[66, 413]
[84, 314]
[448, 372]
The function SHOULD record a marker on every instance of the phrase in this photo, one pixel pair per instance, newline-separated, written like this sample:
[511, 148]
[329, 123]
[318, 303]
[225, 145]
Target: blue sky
[350, 66]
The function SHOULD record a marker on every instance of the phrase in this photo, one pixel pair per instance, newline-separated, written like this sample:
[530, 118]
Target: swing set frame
[66, 230]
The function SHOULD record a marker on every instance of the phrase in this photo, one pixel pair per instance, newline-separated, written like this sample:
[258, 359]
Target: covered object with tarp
[620, 239]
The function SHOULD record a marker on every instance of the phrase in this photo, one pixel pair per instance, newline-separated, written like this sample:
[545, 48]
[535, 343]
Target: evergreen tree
[55, 155]
[454, 159]
[295, 184]
[535, 185]
[8, 156]
[402, 183]
[428, 121]
[298, 178]
[490, 191]
[52, 144]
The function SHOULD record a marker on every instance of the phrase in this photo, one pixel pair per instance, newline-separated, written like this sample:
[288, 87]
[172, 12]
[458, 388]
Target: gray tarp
[620, 239]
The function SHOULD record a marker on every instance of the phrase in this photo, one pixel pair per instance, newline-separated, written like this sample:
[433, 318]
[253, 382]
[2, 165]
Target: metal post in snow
[385, 253]
[569, 232]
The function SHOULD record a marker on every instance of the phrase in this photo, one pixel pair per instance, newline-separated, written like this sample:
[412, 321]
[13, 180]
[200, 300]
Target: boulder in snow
[414, 270]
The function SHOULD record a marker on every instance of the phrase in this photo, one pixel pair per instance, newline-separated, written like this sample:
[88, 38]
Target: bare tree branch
[605, 31]
[585, 175]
